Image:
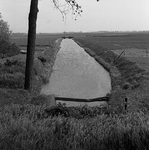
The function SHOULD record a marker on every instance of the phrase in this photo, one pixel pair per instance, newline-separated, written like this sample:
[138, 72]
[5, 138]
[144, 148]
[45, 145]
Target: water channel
[77, 75]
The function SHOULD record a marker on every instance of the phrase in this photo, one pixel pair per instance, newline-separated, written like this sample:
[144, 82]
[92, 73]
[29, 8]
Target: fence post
[125, 103]
[51, 100]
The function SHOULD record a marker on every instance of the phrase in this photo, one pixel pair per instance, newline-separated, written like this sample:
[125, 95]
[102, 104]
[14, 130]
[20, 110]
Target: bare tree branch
[68, 6]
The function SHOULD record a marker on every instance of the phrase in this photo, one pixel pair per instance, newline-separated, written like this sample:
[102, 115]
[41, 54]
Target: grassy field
[27, 122]
[110, 41]
[42, 40]
[119, 42]
[23, 128]
[104, 41]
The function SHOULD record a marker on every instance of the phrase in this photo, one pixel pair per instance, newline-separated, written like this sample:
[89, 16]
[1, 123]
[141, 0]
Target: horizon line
[64, 32]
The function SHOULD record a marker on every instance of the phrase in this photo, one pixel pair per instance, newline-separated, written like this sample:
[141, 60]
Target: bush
[12, 74]
[10, 62]
[4, 45]
[13, 66]
[13, 50]
[7, 49]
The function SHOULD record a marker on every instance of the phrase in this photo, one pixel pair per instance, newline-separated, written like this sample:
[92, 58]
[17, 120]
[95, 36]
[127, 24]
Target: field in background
[109, 40]
[113, 41]
[42, 40]
[136, 44]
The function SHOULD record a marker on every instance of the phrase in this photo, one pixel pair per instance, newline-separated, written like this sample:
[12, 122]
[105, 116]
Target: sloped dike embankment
[128, 80]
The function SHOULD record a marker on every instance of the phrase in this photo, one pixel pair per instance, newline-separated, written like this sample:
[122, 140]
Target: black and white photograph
[74, 74]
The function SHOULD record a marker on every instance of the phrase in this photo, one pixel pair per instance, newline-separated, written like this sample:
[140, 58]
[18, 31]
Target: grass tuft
[21, 129]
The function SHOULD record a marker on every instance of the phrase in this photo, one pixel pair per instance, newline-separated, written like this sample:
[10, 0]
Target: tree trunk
[31, 43]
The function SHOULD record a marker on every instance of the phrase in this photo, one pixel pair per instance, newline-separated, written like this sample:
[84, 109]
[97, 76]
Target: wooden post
[51, 100]
[125, 103]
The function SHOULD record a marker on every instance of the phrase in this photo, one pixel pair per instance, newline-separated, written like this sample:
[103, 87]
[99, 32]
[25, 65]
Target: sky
[105, 15]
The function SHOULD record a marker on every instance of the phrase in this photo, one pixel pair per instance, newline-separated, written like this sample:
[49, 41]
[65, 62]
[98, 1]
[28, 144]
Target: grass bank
[43, 66]
[128, 79]
[23, 128]
[12, 75]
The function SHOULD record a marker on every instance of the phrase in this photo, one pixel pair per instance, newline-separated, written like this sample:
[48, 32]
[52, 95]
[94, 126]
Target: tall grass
[20, 128]
[12, 74]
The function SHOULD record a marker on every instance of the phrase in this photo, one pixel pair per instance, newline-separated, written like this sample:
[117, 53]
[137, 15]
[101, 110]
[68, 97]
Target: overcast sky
[111, 15]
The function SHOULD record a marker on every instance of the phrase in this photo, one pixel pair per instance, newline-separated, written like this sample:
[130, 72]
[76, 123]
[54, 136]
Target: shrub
[13, 50]
[10, 62]
[7, 49]
[4, 45]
